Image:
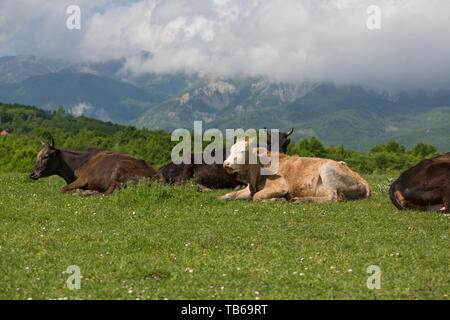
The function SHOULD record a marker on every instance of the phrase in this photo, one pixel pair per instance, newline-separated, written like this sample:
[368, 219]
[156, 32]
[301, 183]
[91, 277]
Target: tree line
[27, 125]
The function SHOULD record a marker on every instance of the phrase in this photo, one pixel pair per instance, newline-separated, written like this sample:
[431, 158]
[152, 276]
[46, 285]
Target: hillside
[26, 125]
[355, 116]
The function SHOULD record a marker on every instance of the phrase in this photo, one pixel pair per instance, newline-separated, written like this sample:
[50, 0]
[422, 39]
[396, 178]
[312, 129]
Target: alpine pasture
[168, 242]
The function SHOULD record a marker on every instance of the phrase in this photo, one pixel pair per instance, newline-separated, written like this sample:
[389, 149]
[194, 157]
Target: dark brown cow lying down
[207, 175]
[100, 171]
[426, 186]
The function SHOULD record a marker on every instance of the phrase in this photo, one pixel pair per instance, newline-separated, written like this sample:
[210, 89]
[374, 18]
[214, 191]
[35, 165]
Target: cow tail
[394, 199]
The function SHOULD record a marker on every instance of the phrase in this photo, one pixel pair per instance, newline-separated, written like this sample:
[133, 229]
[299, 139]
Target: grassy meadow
[177, 243]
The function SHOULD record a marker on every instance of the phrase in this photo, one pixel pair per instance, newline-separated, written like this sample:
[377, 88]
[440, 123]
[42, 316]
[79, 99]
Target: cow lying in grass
[297, 179]
[92, 171]
[213, 175]
[426, 186]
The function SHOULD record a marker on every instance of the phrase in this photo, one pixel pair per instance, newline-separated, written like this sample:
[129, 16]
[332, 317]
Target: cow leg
[276, 200]
[340, 186]
[243, 194]
[113, 187]
[310, 199]
[202, 188]
[272, 189]
[90, 193]
[80, 183]
[446, 207]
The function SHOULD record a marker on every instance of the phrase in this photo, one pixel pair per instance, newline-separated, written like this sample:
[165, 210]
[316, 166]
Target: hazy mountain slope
[18, 68]
[356, 116]
[80, 93]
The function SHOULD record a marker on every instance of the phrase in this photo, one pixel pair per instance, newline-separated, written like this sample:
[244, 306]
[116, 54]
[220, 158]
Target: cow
[297, 179]
[92, 171]
[212, 175]
[207, 175]
[283, 141]
[425, 186]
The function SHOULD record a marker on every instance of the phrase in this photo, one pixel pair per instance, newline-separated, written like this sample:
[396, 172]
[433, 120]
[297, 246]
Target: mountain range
[354, 115]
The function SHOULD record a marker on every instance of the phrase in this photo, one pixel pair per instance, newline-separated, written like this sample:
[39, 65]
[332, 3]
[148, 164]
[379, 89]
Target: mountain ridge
[354, 115]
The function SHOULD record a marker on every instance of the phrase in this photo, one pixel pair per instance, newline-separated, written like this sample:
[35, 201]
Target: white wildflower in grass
[331, 267]
[350, 270]
[301, 274]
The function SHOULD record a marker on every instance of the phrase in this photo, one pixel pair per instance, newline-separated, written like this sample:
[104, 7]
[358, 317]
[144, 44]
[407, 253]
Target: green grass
[143, 242]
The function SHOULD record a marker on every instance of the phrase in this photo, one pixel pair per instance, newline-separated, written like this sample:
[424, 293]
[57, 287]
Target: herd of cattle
[425, 186]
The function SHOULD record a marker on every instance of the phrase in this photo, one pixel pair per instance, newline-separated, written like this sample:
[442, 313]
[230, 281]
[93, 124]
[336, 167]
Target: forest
[24, 126]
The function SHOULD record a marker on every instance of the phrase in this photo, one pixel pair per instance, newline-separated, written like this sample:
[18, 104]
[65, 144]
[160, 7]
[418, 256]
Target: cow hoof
[278, 199]
[91, 193]
[203, 189]
[85, 193]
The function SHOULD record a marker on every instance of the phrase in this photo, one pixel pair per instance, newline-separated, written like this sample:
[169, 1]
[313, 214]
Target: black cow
[426, 186]
[213, 175]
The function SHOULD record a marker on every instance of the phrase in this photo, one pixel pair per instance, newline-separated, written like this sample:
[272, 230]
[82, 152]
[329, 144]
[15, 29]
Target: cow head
[47, 161]
[239, 155]
[283, 140]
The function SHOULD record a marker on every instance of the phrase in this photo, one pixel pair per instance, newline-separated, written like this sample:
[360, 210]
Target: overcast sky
[288, 40]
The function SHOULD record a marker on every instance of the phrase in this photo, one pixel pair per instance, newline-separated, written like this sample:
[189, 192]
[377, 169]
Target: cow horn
[289, 132]
[268, 131]
[42, 142]
[52, 144]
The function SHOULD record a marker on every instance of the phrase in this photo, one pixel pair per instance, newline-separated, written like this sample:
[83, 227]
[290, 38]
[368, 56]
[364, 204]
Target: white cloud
[289, 40]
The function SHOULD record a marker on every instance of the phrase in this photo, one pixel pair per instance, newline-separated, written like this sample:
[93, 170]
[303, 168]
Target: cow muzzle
[33, 175]
[228, 168]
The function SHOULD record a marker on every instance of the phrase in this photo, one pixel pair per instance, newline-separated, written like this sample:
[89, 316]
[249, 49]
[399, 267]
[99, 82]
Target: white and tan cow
[296, 179]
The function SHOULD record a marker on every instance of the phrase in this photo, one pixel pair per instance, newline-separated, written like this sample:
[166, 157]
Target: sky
[285, 40]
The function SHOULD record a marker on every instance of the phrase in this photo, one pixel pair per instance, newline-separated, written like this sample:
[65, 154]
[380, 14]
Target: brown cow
[426, 186]
[297, 179]
[213, 175]
[100, 171]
